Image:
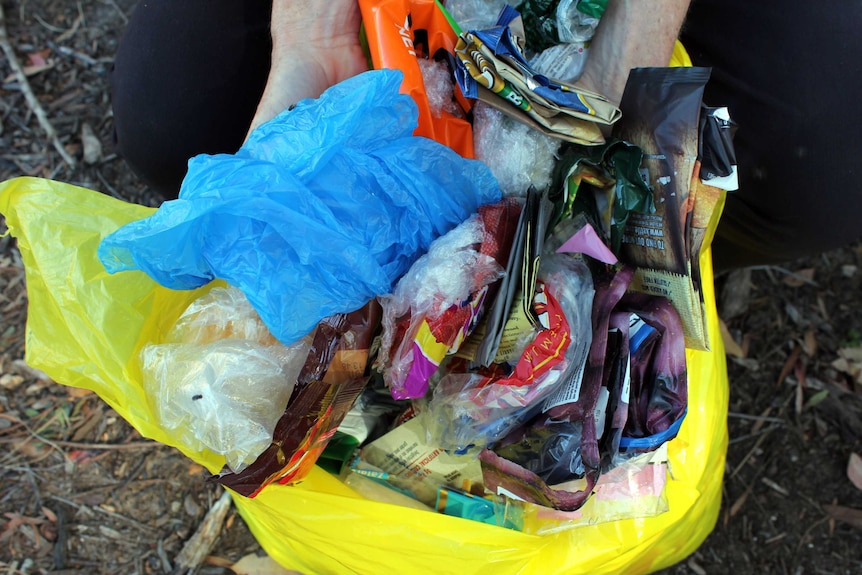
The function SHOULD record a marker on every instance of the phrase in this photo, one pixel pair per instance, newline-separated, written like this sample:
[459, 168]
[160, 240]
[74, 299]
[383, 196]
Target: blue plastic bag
[322, 209]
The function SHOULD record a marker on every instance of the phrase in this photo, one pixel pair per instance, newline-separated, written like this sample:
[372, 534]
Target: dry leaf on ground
[254, 565]
[92, 145]
[848, 515]
[731, 348]
[800, 277]
[850, 362]
[854, 470]
[809, 343]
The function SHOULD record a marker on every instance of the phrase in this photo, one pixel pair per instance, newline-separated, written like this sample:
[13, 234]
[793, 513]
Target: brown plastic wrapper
[332, 378]
[661, 114]
[662, 109]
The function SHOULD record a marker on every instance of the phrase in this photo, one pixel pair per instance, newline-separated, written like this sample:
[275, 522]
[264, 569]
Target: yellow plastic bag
[86, 329]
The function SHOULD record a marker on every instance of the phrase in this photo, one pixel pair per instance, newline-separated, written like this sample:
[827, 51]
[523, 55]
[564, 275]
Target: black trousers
[188, 76]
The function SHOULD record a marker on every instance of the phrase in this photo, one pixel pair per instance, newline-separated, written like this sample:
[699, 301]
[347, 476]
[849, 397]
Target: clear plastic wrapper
[382, 492]
[223, 313]
[563, 61]
[221, 381]
[633, 490]
[548, 23]
[475, 14]
[434, 307]
[577, 20]
[439, 87]
[478, 408]
[561, 33]
[332, 376]
[519, 156]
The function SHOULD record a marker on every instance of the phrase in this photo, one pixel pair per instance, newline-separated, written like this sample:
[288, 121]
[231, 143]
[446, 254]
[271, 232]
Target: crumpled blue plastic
[322, 209]
[499, 39]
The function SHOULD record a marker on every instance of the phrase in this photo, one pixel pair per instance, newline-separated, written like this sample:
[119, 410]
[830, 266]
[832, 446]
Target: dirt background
[81, 492]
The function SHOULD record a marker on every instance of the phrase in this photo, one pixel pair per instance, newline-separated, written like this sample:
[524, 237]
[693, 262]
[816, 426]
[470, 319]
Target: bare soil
[82, 492]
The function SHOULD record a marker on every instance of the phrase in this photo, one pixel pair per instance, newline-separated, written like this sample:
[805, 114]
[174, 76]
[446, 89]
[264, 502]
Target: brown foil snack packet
[330, 381]
[661, 111]
[663, 107]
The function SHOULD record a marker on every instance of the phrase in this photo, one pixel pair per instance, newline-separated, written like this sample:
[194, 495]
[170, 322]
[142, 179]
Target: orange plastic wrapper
[400, 32]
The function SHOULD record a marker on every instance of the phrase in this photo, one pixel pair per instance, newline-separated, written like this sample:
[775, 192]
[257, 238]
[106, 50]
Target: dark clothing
[187, 79]
[790, 71]
[189, 74]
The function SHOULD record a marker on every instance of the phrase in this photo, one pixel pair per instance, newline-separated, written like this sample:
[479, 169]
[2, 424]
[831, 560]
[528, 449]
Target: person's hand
[631, 34]
[315, 44]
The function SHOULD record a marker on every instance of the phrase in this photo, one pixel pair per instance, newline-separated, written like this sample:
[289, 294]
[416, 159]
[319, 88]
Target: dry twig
[741, 438]
[29, 96]
[198, 547]
[119, 11]
[789, 364]
[749, 417]
[131, 522]
[58, 443]
[789, 273]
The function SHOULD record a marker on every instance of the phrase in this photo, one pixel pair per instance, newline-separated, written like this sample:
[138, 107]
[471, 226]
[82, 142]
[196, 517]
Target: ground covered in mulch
[82, 492]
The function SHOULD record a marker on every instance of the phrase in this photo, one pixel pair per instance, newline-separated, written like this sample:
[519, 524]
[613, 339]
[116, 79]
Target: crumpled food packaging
[321, 210]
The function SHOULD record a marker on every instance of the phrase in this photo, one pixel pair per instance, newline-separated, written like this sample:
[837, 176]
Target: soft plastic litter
[321, 210]
[220, 380]
[86, 329]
